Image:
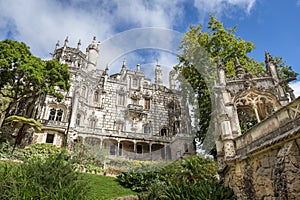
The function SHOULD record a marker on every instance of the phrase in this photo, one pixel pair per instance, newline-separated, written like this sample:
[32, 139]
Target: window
[112, 149]
[147, 129]
[96, 96]
[120, 149]
[119, 126]
[121, 99]
[50, 138]
[139, 148]
[59, 115]
[52, 114]
[147, 104]
[134, 82]
[78, 118]
[92, 123]
[135, 101]
[186, 147]
[56, 114]
[163, 132]
[83, 91]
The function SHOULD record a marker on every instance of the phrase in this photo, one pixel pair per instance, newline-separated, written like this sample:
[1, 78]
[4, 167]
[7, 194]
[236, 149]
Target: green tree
[25, 79]
[201, 53]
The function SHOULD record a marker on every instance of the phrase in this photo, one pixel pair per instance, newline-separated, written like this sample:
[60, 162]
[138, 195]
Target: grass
[105, 188]
[101, 187]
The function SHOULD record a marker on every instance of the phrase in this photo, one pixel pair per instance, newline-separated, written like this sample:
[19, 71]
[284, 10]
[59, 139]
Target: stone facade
[123, 113]
[258, 134]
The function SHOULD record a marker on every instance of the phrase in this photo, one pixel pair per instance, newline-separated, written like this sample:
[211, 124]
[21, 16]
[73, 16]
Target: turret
[92, 53]
[172, 84]
[158, 75]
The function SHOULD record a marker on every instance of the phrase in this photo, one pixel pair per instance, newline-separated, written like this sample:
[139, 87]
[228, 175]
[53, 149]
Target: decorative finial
[238, 68]
[124, 63]
[79, 44]
[106, 70]
[138, 67]
[66, 41]
[57, 44]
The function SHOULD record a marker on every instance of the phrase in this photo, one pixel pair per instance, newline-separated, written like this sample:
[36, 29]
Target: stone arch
[253, 106]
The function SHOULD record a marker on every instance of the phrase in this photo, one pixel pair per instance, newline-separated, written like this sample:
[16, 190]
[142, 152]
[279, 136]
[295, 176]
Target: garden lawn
[105, 188]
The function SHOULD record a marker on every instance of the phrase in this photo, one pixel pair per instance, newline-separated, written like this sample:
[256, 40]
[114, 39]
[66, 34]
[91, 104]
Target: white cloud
[220, 7]
[296, 87]
[298, 3]
[41, 23]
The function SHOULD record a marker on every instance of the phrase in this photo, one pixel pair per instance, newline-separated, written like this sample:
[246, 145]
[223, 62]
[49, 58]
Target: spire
[123, 66]
[57, 45]
[79, 44]
[238, 68]
[138, 67]
[221, 72]
[66, 41]
[106, 70]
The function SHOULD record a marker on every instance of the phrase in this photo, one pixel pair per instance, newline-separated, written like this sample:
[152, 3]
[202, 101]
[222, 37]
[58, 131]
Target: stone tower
[158, 75]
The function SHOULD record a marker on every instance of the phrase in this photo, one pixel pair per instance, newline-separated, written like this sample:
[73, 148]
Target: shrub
[42, 178]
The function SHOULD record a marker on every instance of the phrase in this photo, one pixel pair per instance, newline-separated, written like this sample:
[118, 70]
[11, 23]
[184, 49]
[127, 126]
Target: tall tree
[25, 78]
[201, 52]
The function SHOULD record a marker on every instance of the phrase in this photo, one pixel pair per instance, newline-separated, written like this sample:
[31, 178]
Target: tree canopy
[26, 78]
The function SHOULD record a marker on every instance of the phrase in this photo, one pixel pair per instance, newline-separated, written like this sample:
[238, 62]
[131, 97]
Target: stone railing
[53, 123]
[280, 122]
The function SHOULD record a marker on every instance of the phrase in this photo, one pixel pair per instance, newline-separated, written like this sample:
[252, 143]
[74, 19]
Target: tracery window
[52, 114]
[56, 114]
[59, 115]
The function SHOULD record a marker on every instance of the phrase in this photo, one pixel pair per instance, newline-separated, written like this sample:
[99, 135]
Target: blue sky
[270, 25]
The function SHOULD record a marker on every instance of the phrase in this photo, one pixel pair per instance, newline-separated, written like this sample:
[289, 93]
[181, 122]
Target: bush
[42, 178]
[190, 178]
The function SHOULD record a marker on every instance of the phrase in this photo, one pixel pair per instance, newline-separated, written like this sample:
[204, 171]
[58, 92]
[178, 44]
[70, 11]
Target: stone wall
[270, 174]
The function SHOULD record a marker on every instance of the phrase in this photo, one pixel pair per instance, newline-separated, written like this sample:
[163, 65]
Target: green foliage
[190, 178]
[42, 151]
[25, 78]
[49, 178]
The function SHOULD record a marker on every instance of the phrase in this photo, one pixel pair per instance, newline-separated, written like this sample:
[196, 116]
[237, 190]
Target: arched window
[83, 91]
[78, 119]
[163, 132]
[59, 115]
[92, 123]
[52, 114]
[96, 96]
